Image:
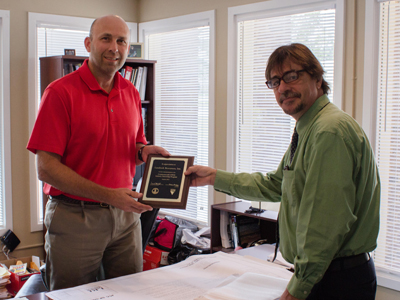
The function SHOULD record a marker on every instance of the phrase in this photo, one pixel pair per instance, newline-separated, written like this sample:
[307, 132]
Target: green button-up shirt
[330, 194]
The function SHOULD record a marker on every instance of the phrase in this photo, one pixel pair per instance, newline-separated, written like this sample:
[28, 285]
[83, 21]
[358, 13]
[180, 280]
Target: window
[184, 107]
[53, 41]
[5, 140]
[260, 131]
[49, 35]
[381, 115]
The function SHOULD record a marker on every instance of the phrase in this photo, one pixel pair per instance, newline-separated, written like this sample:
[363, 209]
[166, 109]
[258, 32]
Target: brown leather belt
[67, 199]
[348, 262]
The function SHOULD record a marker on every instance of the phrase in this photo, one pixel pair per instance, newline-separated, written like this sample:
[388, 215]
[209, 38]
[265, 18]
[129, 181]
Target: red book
[128, 72]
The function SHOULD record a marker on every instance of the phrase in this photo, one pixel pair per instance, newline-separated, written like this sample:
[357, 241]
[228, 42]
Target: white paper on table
[186, 280]
[249, 286]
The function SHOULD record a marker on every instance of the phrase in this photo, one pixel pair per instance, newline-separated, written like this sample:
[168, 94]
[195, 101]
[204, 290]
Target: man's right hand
[55, 173]
[126, 200]
[201, 175]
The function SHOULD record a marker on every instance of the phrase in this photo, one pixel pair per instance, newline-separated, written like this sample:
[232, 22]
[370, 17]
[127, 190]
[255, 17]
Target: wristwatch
[140, 153]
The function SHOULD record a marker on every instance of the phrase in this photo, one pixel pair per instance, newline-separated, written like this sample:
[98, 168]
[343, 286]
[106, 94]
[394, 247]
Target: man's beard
[298, 108]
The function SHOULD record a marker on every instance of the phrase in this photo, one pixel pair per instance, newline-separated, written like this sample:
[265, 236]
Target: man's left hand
[287, 296]
[154, 150]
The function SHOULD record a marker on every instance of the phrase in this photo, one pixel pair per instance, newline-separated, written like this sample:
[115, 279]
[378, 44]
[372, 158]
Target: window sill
[387, 280]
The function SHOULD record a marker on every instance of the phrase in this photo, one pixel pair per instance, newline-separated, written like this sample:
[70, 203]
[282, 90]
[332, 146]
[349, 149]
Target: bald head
[106, 19]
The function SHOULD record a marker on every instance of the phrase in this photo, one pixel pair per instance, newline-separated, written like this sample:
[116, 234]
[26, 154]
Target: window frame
[5, 118]
[185, 22]
[273, 8]
[370, 96]
[54, 21]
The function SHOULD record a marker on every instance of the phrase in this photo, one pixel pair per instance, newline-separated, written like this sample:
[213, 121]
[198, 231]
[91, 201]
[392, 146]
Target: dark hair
[301, 55]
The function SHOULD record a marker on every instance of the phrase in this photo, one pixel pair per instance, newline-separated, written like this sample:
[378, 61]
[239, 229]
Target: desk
[267, 222]
[195, 277]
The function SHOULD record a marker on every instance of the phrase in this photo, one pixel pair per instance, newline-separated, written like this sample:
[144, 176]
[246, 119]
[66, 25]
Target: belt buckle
[104, 205]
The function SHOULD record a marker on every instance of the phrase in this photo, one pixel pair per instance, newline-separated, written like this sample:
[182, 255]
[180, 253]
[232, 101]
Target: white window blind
[2, 198]
[5, 143]
[50, 42]
[53, 41]
[387, 148]
[182, 102]
[263, 129]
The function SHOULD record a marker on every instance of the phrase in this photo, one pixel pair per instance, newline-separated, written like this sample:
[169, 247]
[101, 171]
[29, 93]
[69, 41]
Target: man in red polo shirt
[88, 139]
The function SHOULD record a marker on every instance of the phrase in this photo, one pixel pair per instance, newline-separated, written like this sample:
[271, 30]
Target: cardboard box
[17, 281]
[154, 258]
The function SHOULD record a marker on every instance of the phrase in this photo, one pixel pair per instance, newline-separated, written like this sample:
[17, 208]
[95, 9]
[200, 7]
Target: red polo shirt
[94, 132]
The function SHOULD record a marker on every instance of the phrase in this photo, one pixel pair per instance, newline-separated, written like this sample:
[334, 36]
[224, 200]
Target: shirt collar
[92, 83]
[306, 119]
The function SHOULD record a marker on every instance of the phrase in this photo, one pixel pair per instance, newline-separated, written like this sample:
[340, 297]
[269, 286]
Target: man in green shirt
[329, 189]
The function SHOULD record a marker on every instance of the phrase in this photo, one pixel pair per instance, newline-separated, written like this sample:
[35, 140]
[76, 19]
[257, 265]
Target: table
[162, 274]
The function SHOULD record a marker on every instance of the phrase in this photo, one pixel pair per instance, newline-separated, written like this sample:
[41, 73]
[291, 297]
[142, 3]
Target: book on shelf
[139, 78]
[144, 118]
[224, 228]
[71, 67]
[248, 230]
[122, 72]
[238, 230]
[134, 75]
[142, 87]
[234, 232]
[128, 72]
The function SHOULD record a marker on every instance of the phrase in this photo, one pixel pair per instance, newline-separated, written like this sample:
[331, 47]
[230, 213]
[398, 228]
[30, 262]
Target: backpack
[165, 235]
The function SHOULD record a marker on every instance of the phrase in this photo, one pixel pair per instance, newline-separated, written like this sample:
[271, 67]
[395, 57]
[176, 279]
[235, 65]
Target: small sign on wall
[69, 52]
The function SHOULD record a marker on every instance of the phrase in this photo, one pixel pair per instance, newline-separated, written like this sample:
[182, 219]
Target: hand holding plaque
[164, 184]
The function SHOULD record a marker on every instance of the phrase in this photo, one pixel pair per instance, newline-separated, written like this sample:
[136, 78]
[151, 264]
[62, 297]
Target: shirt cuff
[223, 181]
[298, 288]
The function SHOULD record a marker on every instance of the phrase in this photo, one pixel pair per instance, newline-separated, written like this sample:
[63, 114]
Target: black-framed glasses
[287, 77]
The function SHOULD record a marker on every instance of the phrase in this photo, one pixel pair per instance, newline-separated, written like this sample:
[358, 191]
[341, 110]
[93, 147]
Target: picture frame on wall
[135, 50]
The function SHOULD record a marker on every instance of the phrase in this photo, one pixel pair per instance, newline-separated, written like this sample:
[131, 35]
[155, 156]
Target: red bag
[164, 237]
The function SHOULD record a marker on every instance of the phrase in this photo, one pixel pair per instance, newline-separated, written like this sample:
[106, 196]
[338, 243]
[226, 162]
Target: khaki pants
[80, 238]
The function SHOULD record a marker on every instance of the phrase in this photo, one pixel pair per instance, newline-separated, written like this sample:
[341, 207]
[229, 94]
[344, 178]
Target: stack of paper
[4, 280]
[248, 286]
[208, 276]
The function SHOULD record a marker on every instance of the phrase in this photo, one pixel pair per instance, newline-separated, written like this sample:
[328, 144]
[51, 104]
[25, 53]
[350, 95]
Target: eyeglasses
[287, 77]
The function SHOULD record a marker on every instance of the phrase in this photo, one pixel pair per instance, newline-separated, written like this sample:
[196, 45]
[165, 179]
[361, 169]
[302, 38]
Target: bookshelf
[266, 222]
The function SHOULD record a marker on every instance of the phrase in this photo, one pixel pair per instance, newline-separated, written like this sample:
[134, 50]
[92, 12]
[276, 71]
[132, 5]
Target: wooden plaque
[164, 184]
